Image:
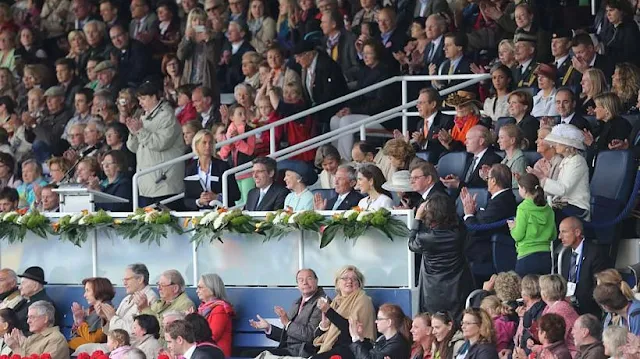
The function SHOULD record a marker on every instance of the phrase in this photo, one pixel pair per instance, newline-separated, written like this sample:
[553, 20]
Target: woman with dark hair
[328, 158]
[116, 136]
[439, 237]
[370, 181]
[8, 321]
[551, 334]
[171, 68]
[7, 169]
[620, 39]
[146, 332]
[501, 83]
[448, 338]
[480, 335]
[200, 327]
[87, 328]
[395, 340]
[29, 48]
[412, 59]
[533, 229]
[116, 182]
[168, 27]
[401, 154]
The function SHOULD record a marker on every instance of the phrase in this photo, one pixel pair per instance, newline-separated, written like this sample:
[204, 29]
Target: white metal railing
[471, 79]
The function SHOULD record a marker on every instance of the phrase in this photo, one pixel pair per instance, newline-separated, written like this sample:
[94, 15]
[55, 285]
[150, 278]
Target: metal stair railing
[471, 79]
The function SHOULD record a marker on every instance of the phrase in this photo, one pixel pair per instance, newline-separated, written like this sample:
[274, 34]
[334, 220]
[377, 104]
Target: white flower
[148, 218]
[75, 218]
[82, 221]
[217, 223]
[8, 216]
[362, 215]
[348, 213]
[209, 217]
[292, 219]
[21, 219]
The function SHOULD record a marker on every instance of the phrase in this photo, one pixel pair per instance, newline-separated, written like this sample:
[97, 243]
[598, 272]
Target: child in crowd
[118, 343]
[219, 131]
[499, 312]
[185, 111]
[241, 151]
[267, 115]
[533, 229]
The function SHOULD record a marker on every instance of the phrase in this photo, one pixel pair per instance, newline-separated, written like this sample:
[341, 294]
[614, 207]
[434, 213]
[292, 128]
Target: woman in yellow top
[87, 324]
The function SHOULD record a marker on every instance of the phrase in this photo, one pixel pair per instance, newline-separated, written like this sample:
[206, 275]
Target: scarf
[4, 295]
[462, 125]
[356, 305]
[205, 308]
[255, 25]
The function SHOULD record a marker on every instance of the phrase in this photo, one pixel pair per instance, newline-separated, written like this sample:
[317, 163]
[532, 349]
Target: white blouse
[383, 201]
[544, 106]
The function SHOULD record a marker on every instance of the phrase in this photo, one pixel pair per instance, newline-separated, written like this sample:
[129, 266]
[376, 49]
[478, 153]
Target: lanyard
[578, 266]
[206, 183]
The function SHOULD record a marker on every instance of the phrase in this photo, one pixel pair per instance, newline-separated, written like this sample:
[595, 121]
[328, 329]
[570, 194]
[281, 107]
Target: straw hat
[462, 98]
[568, 135]
[400, 182]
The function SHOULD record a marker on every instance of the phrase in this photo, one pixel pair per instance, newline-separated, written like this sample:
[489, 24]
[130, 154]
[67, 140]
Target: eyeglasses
[415, 178]
[163, 285]
[349, 279]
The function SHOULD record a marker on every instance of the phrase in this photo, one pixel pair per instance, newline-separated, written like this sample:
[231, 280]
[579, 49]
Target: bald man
[580, 262]
[9, 292]
[477, 142]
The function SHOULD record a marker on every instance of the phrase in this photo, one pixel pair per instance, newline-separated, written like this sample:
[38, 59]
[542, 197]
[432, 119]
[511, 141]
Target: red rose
[34, 356]
[45, 356]
[335, 357]
[84, 356]
[16, 356]
[97, 354]
[163, 356]
[4, 356]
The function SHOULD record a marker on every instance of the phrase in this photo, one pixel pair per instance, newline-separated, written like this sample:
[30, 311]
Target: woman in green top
[533, 229]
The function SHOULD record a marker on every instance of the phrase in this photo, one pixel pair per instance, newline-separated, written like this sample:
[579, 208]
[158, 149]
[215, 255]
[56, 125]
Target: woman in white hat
[399, 183]
[572, 185]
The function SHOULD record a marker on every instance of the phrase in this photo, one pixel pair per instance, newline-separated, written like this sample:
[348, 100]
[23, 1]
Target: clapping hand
[488, 285]
[617, 144]
[319, 203]
[78, 313]
[323, 304]
[15, 339]
[141, 300]
[588, 137]
[282, 314]
[468, 201]
[422, 209]
[355, 330]
[511, 223]
[399, 136]
[451, 181]
[260, 323]
[106, 310]
[445, 138]
[484, 172]
[206, 197]
[134, 125]
[433, 69]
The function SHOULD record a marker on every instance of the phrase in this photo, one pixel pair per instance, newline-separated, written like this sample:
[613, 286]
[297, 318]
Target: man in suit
[580, 262]
[134, 60]
[455, 45]
[144, 22]
[322, 77]
[339, 43]
[180, 337]
[410, 9]
[296, 335]
[203, 102]
[393, 37]
[67, 79]
[237, 44]
[478, 140]
[586, 57]
[82, 13]
[566, 107]
[424, 182]
[425, 135]
[110, 14]
[32, 290]
[502, 205]
[567, 75]
[525, 48]
[267, 196]
[435, 26]
[344, 182]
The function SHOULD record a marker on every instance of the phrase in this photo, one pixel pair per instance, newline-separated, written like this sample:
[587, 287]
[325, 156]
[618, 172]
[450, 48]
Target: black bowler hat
[304, 46]
[562, 34]
[34, 273]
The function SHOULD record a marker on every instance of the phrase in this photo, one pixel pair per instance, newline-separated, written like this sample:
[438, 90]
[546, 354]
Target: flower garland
[98, 354]
[32, 356]
[281, 222]
[147, 224]
[14, 225]
[75, 228]
[212, 224]
[355, 222]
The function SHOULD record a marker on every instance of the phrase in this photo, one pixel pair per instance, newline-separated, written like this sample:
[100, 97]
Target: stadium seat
[453, 163]
[613, 178]
[427, 156]
[504, 252]
[501, 122]
[635, 270]
[631, 118]
[482, 198]
[532, 157]
[326, 194]
[595, 124]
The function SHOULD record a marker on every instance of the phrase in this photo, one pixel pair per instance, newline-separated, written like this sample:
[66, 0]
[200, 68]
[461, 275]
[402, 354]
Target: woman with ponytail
[395, 341]
[612, 276]
[533, 229]
[512, 141]
[499, 312]
[422, 335]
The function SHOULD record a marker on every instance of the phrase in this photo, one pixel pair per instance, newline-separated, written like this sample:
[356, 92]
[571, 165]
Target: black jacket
[615, 129]
[377, 101]
[395, 347]
[347, 53]
[230, 74]
[22, 309]
[273, 199]
[464, 67]
[621, 42]
[49, 131]
[482, 351]
[134, 64]
[525, 78]
[445, 277]
[328, 84]
[501, 207]
[606, 65]
[193, 187]
[71, 90]
[530, 126]
[634, 140]
[441, 121]
[489, 158]
[415, 199]
[349, 202]
[207, 351]
[438, 57]
[593, 261]
[580, 122]
[121, 188]
[298, 337]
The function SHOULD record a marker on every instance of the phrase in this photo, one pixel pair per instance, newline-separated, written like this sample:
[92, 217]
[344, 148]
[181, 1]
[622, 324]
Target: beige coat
[49, 341]
[11, 301]
[186, 53]
[54, 17]
[265, 35]
[158, 141]
[181, 303]
[149, 345]
[127, 310]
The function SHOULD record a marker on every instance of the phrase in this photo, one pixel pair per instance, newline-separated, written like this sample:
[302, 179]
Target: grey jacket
[298, 337]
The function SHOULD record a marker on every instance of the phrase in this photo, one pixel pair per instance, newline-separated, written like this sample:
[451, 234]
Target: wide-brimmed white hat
[568, 135]
[399, 182]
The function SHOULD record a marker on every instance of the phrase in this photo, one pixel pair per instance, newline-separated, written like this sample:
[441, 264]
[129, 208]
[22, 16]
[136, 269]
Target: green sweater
[535, 228]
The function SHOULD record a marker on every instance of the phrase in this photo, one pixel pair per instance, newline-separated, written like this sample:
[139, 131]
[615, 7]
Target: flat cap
[54, 91]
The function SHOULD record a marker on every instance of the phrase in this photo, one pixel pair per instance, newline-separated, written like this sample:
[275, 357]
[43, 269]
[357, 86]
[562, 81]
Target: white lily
[82, 221]
[217, 223]
[209, 217]
[137, 217]
[9, 215]
[21, 219]
[362, 215]
[292, 219]
[75, 218]
[348, 213]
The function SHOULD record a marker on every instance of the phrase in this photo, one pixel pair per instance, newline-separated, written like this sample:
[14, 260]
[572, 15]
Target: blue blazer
[193, 186]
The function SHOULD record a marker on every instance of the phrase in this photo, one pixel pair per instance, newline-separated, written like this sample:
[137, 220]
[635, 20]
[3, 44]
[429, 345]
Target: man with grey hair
[344, 182]
[173, 297]
[587, 334]
[171, 316]
[46, 337]
[9, 292]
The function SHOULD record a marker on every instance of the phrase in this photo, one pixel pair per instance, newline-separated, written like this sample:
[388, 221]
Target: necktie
[573, 269]
[262, 193]
[469, 174]
[338, 203]
[451, 68]
[431, 51]
[637, 140]
[426, 129]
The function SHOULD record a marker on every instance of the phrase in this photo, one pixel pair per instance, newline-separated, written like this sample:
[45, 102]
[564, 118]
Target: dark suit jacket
[592, 262]
[396, 42]
[634, 140]
[379, 100]
[489, 158]
[615, 129]
[441, 121]
[122, 189]
[328, 84]
[193, 187]
[574, 76]
[273, 199]
[530, 126]
[70, 92]
[580, 122]
[409, 9]
[526, 78]
[607, 66]
[499, 208]
[438, 57]
[349, 202]
[298, 337]
[231, 74]
[134, 64]
[22, 309]
[464, 67]
[347, 54]
[415, 199]
[207, 351]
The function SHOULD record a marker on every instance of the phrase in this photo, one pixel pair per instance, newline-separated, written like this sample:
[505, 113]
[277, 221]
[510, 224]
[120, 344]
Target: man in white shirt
[566, 108]
[435, 26]
[181, 341]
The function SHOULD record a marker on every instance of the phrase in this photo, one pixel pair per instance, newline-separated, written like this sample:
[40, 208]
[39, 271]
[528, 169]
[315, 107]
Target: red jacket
[187, 114]
[219, 315]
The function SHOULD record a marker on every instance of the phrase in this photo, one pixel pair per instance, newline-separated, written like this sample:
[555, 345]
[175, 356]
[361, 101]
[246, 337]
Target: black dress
[445, 277]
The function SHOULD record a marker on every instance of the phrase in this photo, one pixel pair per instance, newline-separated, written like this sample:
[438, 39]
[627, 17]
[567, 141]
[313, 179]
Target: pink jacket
[119, 353]
[566, 311]
[505, 330]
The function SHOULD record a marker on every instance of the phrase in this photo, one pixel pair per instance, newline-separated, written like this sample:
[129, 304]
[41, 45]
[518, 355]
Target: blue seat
[611, 185]
[327, 194]
[428, 156]
[503, 250]
[482, 198]
[631, 118]
[453, 163]
[501, 122]
[532, 157]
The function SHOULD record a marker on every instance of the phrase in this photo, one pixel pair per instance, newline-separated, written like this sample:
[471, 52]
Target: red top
[219, 315]
[187, 114]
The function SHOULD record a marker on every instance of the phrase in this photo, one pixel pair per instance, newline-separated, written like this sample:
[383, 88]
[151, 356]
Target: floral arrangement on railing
[33, 356]
[98, 354]
[355, 222]
[75, 228]
[283, 221]
[15, 224]
[212, 224]
[149, 225]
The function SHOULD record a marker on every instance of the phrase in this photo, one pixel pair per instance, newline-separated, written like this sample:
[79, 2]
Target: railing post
[135, 191]
[225, 189]
[272, 140]
[363, 133]
[405, 125]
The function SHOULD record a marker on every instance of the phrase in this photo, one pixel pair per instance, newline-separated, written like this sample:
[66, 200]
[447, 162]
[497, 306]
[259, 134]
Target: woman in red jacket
[216, 309]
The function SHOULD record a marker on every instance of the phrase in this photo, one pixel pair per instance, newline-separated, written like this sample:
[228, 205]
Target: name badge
[571, 289]
[215, 178]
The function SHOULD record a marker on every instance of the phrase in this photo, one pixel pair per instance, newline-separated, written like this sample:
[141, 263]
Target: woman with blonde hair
[553, 290]
[394, 341]
[504, 327]
[351, 304]
[550, 161]
[287, 23]
[261, 26]
[614, 338]
[479, 334]
[593, 83]
[423, 338]
[511, 141]
[78, 48]
[199, 55]
[625, 83]
[615, 129]
[506, 53]
[612, 276]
